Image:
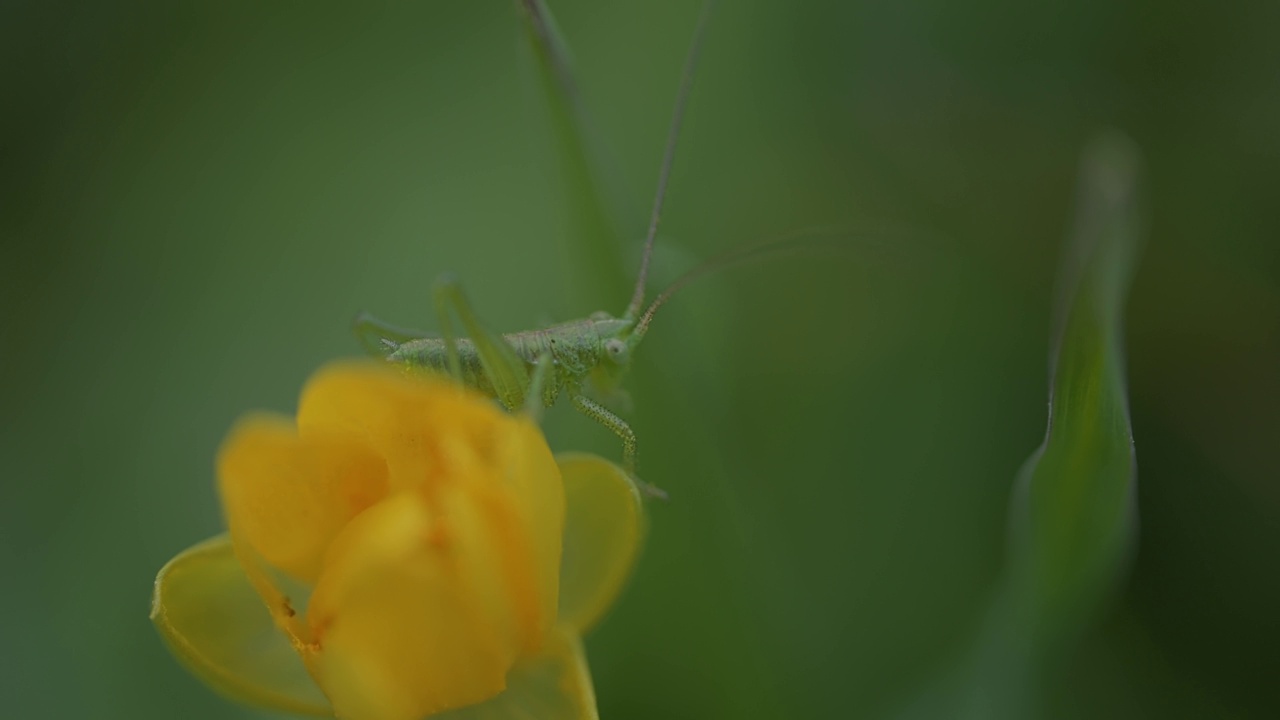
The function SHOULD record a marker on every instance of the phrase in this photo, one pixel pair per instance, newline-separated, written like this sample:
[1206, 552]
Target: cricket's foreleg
[379, 338]
[619, 427]
[616, 425]
[497, 359]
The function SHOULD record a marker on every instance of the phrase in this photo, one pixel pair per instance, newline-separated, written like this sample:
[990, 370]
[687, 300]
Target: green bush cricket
[584, 360]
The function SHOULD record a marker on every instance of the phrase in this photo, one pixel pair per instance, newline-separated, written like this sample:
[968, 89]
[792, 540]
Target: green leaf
[604, 529]
[593, 239]
[555, 684]
[1074, 516]
[217, 625]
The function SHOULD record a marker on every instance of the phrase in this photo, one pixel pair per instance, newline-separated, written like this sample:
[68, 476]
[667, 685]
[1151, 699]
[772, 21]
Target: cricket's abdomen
[430, 353]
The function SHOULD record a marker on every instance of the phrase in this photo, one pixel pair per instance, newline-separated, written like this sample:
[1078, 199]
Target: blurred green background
[195, 200]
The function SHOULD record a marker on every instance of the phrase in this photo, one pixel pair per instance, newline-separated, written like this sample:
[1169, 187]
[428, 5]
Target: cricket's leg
[533, 403]
[379, 338]
[497, 359]
[619, 427]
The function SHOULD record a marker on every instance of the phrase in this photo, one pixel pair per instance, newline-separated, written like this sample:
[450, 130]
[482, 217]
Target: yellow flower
[403, 549]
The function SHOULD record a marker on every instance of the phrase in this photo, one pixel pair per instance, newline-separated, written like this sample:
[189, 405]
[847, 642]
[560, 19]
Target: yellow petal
[532, 488]
[555, 684]
[213, 620]
[412, 614]
[288, 496]
[433, 433]
[400, 413]
[604, 529]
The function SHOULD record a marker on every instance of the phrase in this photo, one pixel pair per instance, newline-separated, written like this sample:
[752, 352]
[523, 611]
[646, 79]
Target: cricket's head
[614, 351]
[617, 339]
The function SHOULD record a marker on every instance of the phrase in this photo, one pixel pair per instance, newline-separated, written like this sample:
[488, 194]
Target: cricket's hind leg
[619, 427]
[498, 360]
[380, 338]
[538, 379]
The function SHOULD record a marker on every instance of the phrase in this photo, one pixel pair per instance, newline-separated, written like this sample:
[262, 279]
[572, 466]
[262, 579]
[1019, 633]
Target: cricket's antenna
[686, 81]
[840, 239]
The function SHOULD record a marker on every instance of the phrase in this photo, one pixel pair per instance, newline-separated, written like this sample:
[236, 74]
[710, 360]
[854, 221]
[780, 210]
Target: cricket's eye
[617, 349]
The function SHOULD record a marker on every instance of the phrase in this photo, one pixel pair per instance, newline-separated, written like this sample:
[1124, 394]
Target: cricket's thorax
[576, 349]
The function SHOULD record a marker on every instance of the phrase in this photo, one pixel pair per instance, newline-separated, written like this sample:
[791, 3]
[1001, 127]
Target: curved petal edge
[603, 532]
[213, 621]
